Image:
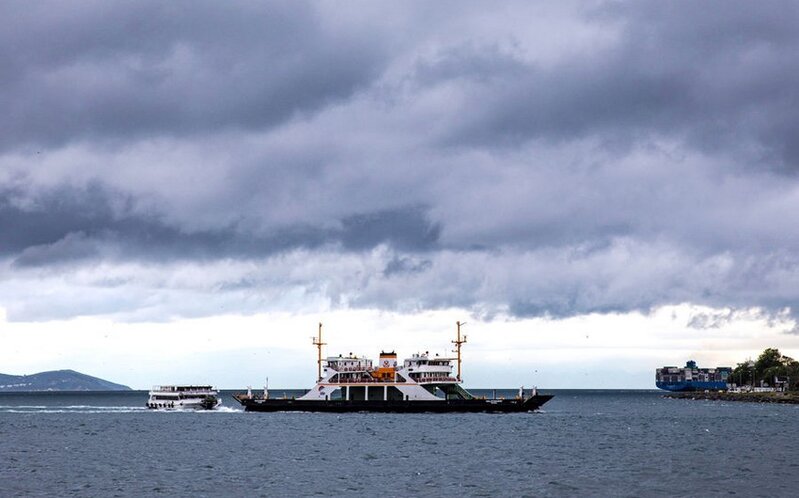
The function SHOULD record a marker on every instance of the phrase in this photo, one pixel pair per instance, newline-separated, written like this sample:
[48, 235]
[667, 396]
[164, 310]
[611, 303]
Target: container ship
[421, 383]
[692, 378]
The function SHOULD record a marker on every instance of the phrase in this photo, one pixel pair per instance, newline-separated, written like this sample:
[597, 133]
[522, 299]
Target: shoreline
[790, 398]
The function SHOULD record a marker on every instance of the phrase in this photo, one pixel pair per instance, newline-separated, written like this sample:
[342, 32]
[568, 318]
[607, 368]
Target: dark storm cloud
[716, 75]
[127, 69]
[69, 224]
[406, 229]
[405, 265]
[540, 159]
[557, 308]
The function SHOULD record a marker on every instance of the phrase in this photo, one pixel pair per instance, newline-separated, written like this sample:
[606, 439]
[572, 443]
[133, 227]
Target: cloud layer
[175, 160]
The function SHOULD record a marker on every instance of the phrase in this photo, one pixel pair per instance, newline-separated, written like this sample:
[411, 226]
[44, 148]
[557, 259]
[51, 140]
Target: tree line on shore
[769, 365]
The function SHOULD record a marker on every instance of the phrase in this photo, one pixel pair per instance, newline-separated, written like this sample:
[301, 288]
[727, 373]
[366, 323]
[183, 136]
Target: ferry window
[357, 393]
[394, 394]
[375, 394]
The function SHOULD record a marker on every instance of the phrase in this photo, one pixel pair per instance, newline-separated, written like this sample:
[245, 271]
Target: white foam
[91, 407]
[106, 409]
[119, 409]
[226, 409]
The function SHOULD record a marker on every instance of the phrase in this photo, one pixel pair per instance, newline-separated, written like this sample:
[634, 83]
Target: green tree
[769, 358]
[742, 374]
[771, 363]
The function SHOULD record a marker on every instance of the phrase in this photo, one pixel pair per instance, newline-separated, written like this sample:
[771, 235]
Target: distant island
[57, 380]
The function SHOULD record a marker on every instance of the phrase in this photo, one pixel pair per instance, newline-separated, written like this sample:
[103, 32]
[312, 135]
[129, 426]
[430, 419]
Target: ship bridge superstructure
[420, 377]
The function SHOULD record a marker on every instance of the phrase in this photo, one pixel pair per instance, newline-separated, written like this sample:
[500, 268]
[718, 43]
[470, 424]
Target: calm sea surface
[583, 443]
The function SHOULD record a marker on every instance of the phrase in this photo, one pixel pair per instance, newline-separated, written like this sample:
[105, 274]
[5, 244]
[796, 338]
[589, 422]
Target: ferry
[692, 378]
[421, 383]
[183, 397]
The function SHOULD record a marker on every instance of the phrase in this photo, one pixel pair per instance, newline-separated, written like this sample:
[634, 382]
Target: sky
[596, 188]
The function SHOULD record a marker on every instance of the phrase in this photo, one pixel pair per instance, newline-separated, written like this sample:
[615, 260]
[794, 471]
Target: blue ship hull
[692, 386]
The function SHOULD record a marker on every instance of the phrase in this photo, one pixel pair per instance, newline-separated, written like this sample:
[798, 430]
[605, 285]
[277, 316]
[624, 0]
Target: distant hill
[57, 380]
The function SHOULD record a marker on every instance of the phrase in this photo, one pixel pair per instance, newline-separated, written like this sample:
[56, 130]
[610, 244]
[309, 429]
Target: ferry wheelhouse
[183, 397]
[421, 383]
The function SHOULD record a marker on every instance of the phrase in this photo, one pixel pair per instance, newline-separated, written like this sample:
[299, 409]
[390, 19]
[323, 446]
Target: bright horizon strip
[596, 351]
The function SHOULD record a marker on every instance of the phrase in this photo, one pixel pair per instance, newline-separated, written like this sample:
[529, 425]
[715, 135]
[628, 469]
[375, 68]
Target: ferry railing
[368, 381]
[437, 379]
[392, 381]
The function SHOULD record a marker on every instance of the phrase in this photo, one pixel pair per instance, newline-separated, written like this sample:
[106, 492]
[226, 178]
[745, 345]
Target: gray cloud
[148, 69]
[405, 265]
[69, 224]
[717, 76]
[405, 229]
[537, 160]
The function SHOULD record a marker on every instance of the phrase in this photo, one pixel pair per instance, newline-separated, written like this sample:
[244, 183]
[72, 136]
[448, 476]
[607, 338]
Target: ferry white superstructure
[422, 383]
[420, 377]
[183, 397]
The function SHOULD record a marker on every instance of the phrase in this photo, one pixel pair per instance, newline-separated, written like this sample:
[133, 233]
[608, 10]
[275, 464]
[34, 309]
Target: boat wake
[106, 409]
[70, 409]
[222, 409]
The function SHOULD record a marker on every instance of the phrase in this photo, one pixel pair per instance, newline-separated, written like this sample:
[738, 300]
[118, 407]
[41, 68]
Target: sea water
[582, 443]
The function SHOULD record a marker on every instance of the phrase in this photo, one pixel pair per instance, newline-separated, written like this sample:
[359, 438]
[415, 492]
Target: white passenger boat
[183, 397]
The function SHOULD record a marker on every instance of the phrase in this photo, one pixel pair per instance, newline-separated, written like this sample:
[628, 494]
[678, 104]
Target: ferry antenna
[317, 341]
[457, 344]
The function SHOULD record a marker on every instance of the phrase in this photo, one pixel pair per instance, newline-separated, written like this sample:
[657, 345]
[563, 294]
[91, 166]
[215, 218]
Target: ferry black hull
[394, 406]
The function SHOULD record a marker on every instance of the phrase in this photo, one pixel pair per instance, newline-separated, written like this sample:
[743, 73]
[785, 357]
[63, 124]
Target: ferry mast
[317, 341]
[457, 344]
